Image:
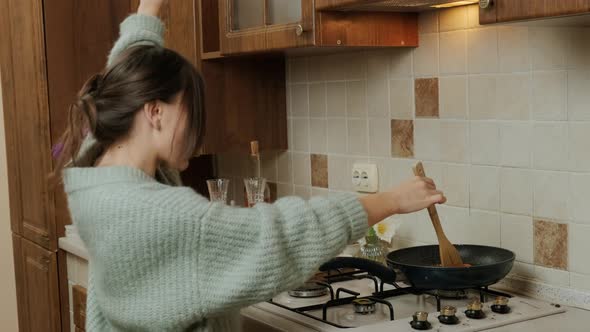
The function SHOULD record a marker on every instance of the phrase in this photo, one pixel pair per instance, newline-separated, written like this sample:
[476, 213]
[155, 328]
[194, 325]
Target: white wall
[8, 311]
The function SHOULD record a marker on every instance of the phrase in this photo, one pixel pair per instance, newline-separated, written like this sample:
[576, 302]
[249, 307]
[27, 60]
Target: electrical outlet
[365, 178]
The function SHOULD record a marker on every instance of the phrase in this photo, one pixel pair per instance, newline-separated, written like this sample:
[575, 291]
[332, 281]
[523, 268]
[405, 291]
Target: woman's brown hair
[107, 103]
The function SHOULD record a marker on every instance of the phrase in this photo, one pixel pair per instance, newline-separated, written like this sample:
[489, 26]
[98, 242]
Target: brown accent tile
[402, 138]
[550, 244]
[319, 170]
[426, 97]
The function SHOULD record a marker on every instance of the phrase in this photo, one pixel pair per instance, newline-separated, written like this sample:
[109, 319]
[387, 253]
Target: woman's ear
[153, 113]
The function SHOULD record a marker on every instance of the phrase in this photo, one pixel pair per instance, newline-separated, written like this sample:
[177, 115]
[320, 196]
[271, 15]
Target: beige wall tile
[550, 148]
[401, 63]
[428, 22]
[401, 170]
[455, 181]
[426, 97]
[379, 137]
[578, 142]
[300, 135]
[297, 70]
[453, 52]
[378, 97]
[513, 96]
[301, 169]
[317, 100]
[550, 244]
[357, 137]
[454, 138]
[549, 95]
[402, 138]
[453, 18]
[453, 97]
[284, 190]
[339, 176]
[484, 188]
[378, 63]
[401, 99]
[336, 99]
[579, 194]
[548, 47]
[579, 247]
[485, 143]
[299, 100]
[356, 103]
[552, 276]
[578, 53]
[318, 135]
[482, 97]
[515, 144]
[580, 281]
[426, 56]
[517, 236]
[302, 191]
[319, 170]
[516, 191]
[513, 49]
[337, 135]
[427, 139]
[550, 195]
[578, 98]
[354, 65]
[482, 51]
[285, 167]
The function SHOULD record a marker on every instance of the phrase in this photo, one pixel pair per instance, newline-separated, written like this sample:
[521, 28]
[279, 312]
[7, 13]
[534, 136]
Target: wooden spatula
[449, 256]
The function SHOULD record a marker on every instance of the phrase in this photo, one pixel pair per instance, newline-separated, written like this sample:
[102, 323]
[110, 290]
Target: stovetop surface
[404, 306]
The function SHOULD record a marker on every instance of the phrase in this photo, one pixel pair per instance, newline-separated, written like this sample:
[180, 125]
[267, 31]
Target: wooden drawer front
[79, 306]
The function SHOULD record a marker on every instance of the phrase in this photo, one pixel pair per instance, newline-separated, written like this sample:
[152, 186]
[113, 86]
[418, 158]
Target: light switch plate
[365, 178]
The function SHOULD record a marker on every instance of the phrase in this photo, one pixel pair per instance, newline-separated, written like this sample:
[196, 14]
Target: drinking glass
[255, 188]
[218, 190]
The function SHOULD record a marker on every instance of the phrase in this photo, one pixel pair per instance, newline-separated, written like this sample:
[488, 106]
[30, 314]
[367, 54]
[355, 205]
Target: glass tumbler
[218, 190]
[255, 188]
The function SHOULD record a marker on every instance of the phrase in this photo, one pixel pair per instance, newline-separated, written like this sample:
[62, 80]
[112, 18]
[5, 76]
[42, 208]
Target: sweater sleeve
[258, 252]
[138, 29]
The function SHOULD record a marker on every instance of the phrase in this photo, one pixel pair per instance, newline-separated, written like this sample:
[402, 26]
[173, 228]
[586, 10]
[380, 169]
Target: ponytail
[82, 119]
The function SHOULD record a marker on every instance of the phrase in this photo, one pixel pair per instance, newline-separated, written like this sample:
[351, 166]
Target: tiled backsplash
[500, 115]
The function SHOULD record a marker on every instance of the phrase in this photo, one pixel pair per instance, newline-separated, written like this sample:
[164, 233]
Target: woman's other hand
[150, 7]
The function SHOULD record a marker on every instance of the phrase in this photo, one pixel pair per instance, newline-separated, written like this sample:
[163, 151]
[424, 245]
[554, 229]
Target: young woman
[163, 258]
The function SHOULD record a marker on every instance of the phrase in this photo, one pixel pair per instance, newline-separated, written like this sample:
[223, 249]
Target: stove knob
[420, 321]
[447, 315]
[474, 310]
[500, 305]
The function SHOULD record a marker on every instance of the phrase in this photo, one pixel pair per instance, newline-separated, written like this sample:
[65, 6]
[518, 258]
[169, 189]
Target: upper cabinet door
[509, 10]
[262, 25]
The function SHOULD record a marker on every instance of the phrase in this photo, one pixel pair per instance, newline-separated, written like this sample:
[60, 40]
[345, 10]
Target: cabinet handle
[484, 4]
[299, 29]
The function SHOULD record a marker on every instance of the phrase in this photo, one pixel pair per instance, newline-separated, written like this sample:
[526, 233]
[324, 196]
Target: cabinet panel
[508, 10]
[72, 57]
[29, 118]
[247, 14]
[79, 306]
[283, 11]
[37, 289]
[245, 101]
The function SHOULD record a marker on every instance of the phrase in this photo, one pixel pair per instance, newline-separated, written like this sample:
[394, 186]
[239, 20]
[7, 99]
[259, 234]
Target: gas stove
[354, 299]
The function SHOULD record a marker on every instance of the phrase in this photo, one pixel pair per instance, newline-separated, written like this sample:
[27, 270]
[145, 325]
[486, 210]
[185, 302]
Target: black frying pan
[419, 264]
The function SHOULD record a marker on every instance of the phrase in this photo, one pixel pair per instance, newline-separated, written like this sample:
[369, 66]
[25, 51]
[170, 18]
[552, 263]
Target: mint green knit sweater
[163, 258]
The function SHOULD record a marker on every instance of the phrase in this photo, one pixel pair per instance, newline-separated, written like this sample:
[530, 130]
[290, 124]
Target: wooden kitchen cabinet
[79, 307]
[248, 26]
[510, 10]
[37, 287]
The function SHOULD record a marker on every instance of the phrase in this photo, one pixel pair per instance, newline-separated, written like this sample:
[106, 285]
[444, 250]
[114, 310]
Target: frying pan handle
[378, 270]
